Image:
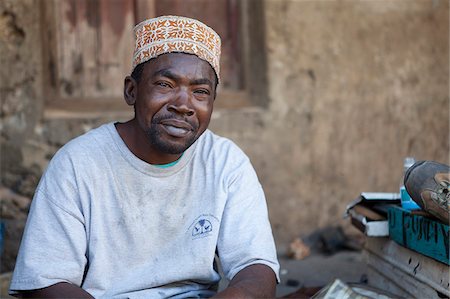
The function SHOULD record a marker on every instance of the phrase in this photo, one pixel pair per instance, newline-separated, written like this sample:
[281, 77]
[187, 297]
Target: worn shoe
[428, 184]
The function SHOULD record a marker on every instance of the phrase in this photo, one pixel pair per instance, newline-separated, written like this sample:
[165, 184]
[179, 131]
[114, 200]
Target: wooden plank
[226, 100]
[425, 235]
[386, 276]
[94, 47]
[417, 274]
[144, 9]
[395, 286]
[69, 14]
[116, 45]
[224, 17]
[49, 59]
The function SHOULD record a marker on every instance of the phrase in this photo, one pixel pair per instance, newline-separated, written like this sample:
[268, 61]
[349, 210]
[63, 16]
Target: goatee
[155, 135]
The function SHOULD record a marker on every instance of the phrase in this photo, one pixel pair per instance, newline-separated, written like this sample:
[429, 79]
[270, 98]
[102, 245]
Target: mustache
[159, 118]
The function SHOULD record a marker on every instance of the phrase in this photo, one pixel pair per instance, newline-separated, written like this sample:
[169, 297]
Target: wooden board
[224, 17]
[94, 46]
[425, 235]
[404, 272]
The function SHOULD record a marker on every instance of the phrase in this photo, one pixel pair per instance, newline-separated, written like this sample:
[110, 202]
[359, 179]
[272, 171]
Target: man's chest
[153, 216]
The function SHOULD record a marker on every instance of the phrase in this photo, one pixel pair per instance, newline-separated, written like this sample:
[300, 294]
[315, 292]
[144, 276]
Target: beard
[156, 137]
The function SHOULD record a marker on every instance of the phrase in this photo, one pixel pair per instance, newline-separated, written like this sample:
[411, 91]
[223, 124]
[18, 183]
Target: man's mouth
[176, 128]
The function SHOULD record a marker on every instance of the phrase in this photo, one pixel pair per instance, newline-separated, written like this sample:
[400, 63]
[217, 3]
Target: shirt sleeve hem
[21, 285]
[273, 266]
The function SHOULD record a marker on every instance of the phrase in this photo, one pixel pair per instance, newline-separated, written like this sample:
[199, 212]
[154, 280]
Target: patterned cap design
[168, 34]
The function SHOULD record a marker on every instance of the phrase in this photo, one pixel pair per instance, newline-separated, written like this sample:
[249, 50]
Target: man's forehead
[176, 65]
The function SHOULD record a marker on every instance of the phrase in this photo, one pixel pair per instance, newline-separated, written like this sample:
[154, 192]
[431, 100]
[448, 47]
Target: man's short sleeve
[245, 236]
[53, 247]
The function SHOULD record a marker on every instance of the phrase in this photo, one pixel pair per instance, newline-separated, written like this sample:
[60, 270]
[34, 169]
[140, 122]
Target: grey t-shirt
[107, 221]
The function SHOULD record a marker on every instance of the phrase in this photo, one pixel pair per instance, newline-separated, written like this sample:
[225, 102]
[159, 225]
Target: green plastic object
[419, 233]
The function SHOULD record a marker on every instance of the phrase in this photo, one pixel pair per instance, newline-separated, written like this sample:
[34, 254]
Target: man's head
[173, 83]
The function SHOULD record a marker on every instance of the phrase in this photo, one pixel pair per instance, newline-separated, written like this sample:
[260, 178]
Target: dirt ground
[318, 270]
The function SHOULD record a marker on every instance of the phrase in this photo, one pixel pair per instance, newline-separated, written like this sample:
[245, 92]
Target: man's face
[174, 101]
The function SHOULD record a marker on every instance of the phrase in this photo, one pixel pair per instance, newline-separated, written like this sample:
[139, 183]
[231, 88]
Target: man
[141, 209]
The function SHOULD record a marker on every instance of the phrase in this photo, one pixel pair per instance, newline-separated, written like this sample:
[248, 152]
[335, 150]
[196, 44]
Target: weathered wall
[353, 88]
[20, 111]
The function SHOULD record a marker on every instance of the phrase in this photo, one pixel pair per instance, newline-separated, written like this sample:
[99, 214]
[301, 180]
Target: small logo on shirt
[203, 226]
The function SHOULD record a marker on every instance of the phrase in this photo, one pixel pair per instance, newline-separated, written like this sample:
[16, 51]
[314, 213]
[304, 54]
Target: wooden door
[89, 43]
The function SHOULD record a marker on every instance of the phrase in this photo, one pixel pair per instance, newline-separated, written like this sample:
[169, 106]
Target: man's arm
[58, 290]
[254, 281]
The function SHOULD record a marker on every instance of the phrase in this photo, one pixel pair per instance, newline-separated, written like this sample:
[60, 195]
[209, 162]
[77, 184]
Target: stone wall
[353, 88]
[20, 111]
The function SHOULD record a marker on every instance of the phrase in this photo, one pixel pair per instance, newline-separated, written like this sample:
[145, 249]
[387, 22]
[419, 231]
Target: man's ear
[130, 90]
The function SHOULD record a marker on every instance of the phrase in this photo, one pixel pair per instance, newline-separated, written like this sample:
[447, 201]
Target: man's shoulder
[89, 143]
[91, 138]
[212, 141]
[221, 148]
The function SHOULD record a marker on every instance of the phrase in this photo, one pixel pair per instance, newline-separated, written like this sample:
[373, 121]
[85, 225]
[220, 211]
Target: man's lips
[176, 128]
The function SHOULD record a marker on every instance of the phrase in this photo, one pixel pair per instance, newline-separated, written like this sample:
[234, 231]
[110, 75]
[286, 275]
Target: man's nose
[182, 103]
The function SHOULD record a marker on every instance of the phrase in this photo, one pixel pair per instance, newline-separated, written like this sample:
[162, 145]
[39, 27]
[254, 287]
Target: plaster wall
[354, 88]
[20, 112]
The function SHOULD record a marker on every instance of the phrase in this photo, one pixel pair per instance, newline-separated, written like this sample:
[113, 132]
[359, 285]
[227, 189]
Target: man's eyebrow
[168, 74]
[201, 81]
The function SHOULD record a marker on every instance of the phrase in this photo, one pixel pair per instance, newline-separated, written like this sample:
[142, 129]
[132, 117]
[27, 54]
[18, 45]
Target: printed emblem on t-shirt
[203, 226]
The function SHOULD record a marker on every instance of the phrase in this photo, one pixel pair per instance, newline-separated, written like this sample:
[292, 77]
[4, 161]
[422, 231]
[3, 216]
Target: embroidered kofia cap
[167, 34]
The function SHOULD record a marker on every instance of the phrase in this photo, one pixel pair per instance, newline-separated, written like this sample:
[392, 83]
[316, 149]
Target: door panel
[89, 43]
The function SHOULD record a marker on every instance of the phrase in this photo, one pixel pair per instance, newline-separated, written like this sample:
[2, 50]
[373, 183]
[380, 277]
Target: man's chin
[173, 147]
[167, 144]
[173, 150]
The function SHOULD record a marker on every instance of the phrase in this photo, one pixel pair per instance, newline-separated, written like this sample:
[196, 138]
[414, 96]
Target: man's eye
[163, 84]
[202, 91]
